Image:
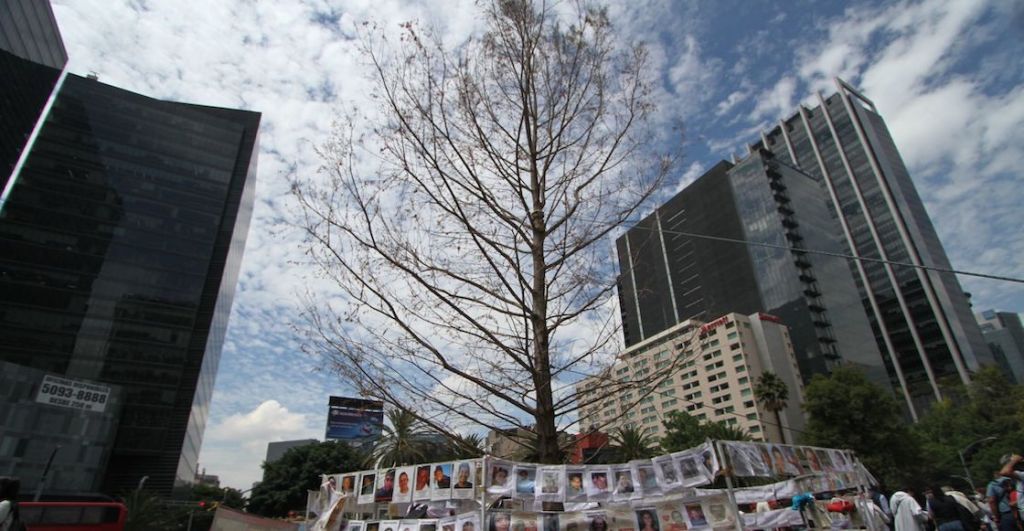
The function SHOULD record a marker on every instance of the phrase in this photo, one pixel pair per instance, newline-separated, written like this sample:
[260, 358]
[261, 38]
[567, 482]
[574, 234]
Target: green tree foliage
[684, 431]
[989, 412]
[286, 480]
[845, 410]
[465, 447]
[404, 441]
[772, 393]
[631, 442]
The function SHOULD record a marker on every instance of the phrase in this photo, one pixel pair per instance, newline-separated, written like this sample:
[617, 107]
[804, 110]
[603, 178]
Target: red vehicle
[70, 515]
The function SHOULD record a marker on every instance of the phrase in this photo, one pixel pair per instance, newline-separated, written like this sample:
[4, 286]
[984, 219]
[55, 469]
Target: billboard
[354, 419]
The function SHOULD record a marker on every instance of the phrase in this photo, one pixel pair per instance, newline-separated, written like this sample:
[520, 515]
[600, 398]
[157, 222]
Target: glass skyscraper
[862, 203]
[121, 239]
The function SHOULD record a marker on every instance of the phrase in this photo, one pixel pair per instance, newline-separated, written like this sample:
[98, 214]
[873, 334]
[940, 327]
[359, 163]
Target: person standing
[10, 520]
[907, 513]
[944, 510]
[1011, 469]
[998, 495]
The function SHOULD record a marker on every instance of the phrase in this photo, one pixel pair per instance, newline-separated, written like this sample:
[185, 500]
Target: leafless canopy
[466, 218]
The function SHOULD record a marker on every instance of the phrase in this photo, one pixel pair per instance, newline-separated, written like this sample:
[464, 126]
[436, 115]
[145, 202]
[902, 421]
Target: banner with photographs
[817, 469]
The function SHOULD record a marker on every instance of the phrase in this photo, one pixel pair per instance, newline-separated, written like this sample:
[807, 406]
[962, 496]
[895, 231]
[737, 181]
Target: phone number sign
[62, 392]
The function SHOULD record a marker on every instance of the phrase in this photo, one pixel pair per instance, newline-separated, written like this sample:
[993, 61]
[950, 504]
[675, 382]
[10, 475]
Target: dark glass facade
[668, 277]
[120, 245]
[921, 319]
[32, 57]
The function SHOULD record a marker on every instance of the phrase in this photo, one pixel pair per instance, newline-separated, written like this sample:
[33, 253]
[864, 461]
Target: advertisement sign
[73, 394]
[354, 419]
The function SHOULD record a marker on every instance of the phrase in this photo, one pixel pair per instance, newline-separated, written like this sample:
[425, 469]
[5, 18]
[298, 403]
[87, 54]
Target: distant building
[705, 369]
[1005, 336]
[590, 448]
[276, 450]
[210, 480]
[516, 443]
[122, 225]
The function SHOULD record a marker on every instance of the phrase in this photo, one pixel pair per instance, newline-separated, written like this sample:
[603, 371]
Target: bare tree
[469, 225]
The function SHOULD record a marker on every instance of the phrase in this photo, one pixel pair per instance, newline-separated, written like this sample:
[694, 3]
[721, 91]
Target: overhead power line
[837, 255]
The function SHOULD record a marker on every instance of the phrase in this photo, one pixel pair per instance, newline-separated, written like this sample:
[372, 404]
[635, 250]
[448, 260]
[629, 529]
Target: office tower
[668, 276]
[921, 318]
[120, 245]
[1005, 337]
[32, 58]
[717, 364]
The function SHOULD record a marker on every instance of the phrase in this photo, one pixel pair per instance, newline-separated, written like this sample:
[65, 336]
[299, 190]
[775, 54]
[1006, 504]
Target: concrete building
[276, 450]
[705, 369]
[1005, 337]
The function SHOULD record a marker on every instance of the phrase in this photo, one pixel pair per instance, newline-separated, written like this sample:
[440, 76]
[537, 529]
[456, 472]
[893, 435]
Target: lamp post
[968, 450]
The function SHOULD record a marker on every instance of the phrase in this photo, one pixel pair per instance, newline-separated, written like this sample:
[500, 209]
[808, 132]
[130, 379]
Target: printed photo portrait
[675, 521]
[464, 476]
[389, 525]
[574, 484]
[597, 521]
[688, 466]
[468, 522]
[695, 515]
[422, 483]
[647, 520]
[524, 521]
[348, 484]
[403, 486]
[367, 488]
[409, 525]
[355, 525]
[792, 462]
[385, 487]
[778, 461]
[624, 482]
[825, 460]
[550, 522]
[499, 521]
[499, 475]
[428, 525]
[598, 483]
[550, 481]
[648, 480]
[372, 526]
[526, 480]
[442, 476]
[668, 471]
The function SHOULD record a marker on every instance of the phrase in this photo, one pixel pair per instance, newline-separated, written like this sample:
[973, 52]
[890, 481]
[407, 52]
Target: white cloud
[694, 170]
[775, 102]
[236, 445]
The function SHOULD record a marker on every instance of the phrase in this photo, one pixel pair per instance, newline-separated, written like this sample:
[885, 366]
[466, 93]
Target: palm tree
[631, 442]
[466, 446]
[772, 393]
[404, 442]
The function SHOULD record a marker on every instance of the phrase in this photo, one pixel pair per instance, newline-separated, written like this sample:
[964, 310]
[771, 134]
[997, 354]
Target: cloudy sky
[947, 75]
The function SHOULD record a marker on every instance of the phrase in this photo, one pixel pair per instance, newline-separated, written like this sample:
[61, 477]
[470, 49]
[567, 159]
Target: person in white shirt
[907, 513]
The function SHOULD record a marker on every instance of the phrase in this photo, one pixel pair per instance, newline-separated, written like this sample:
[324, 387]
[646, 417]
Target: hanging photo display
[499, 521]
[385, 486]
[524, 521]
[428, 525]
[646, 480]
[441, 482]
[421, 484]
[355, 525]
[624, 483]
[597, 481]
[409, 525]
[499, 478]
[465, 472]
[667, 472]
[748, 460]
[825, 459]
[596, 520]
[551, 483]
[695, 516]
[793, 465]
[446, 524]
[549, 522]
[840, 460]
[389, 525]
[366, 485]
[525, 481]
[403, 485]
[671, 518]
[468, 522]
[647, 519]
[574, 489]
[347, 485]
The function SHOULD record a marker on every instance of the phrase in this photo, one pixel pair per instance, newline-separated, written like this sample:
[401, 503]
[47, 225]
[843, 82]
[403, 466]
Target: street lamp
[968, 450]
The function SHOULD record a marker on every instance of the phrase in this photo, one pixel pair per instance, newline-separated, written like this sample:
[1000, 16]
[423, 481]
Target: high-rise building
[921, 318]
[705, 369]
[121, 237]
[669, 277]
[865, 205]
[32, 59]
[1005, 337]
